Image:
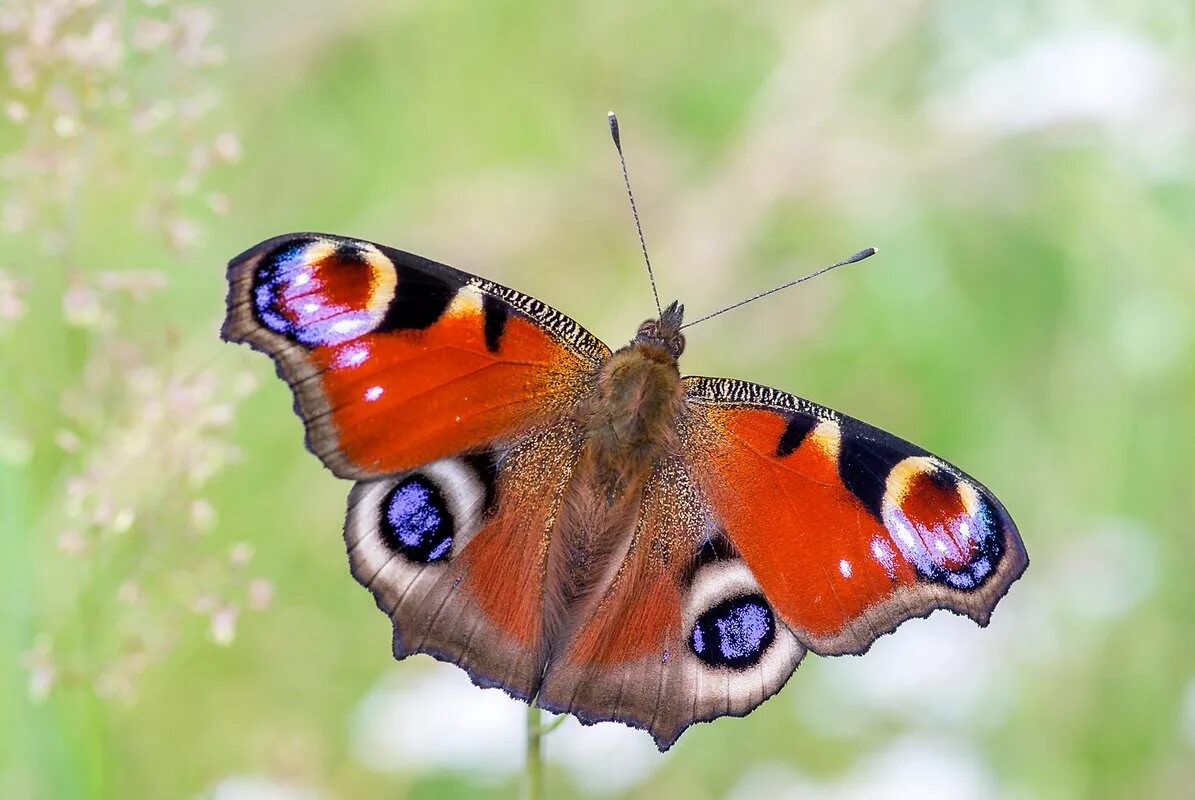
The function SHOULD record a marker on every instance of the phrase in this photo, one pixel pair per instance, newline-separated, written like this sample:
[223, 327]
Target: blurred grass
[1029, 317]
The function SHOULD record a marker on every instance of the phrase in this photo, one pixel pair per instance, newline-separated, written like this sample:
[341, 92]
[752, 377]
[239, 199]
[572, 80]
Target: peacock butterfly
[586, 528]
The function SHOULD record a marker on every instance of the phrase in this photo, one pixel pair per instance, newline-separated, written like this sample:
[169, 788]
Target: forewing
[397, 361]
[849, 530]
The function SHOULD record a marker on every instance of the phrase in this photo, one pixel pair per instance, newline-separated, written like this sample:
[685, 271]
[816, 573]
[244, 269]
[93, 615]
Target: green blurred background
[177, 615]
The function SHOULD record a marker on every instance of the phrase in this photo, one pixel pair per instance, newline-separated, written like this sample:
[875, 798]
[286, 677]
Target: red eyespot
[321, 293]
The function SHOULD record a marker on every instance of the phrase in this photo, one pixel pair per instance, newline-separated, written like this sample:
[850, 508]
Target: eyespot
[941, 524]
[416, 521]
[734, 633]
[320, 292]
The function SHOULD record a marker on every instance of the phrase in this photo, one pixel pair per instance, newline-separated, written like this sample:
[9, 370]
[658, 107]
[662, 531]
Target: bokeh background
[177, 615]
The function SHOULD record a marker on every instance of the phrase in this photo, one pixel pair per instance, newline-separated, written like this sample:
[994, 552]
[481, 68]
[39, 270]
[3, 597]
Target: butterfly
[584, 527]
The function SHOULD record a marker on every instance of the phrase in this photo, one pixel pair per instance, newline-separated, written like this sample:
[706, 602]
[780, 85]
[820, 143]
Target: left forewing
[396, 361]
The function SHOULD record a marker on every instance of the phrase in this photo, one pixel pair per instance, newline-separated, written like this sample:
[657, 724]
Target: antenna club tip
[866, 252]
[613, 120]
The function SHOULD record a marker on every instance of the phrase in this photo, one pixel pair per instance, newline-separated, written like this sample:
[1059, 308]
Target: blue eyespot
[275, 273]
[988, 550]
[416, 522]
[314, 297]
[735, 633]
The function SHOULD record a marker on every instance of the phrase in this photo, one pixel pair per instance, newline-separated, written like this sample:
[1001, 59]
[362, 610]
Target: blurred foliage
[178, 619]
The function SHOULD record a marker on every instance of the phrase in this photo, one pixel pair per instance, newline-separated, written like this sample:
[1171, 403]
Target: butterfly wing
[682, 633]
[454, 553]
[780, 526]
[849, 530]
[396, 361]
[446, 396]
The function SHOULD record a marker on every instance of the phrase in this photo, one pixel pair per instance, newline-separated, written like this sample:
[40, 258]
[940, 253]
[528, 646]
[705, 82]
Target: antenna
[634, 212]
[862, 254]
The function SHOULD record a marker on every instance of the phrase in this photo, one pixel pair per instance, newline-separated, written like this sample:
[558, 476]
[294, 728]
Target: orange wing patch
[784, 514]
[400, 399]
[505, 561]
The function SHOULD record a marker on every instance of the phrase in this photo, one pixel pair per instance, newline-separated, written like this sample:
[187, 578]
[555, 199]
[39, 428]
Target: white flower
[256, 787]
[587, 753]
[911, 767]
[1091, 76]
[261, 594]
[227, 147]
[241, 554]
[438, 720]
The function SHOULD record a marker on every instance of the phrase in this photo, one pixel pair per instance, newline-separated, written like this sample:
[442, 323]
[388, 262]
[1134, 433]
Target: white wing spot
[884, 556]
[353, 356]
[844, 567]
[373, 393]
[347, 325]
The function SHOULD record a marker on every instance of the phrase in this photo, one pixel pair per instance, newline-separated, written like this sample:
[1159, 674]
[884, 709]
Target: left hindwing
[849, 530]
[454, 554]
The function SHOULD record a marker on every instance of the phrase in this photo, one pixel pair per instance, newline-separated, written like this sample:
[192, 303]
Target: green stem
[533, 788]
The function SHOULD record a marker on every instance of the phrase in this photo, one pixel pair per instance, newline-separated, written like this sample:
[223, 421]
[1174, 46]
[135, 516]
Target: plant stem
[533, 787]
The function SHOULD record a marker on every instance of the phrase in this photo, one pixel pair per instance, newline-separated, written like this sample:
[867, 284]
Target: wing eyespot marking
[731, 628]
[318, 292]
[735, 633]
[415, 521]
[425, 516]
[941, 523]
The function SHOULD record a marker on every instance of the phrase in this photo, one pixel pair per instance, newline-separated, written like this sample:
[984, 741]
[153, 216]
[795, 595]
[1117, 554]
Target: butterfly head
[665, 331]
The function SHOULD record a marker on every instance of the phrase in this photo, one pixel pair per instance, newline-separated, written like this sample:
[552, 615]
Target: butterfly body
[626, 425]
[631, 417]
[589, 529]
